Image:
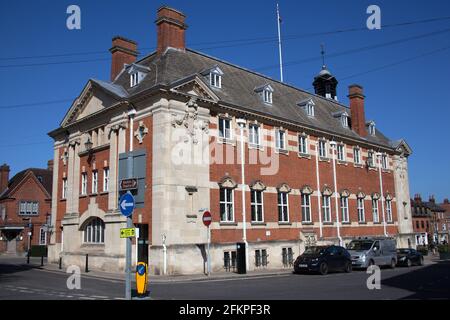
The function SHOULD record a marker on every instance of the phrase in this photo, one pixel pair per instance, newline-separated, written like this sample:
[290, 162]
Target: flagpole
[279, 43]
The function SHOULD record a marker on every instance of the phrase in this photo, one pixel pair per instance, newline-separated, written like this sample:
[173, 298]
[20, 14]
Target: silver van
[373, 251]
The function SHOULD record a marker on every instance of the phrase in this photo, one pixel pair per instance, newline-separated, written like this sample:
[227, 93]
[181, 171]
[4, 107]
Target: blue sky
[408, 100]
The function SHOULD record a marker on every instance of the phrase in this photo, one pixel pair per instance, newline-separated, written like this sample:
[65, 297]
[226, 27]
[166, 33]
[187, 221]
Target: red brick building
[25, 209]
[446, 225]
[314, 170]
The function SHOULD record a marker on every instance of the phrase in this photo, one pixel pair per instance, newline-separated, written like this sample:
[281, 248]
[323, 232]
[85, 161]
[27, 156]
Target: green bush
[443, 248]
[423, 250]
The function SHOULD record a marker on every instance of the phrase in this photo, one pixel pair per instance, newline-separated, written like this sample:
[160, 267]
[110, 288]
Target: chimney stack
[124, 51]
[50, 165]
[432, 200]
[171, 29]
[446, 201]
[417, 198]
[4, 177]
[358, 117]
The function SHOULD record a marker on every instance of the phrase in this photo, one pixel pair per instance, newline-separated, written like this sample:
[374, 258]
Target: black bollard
[28, 257]
[60, 263]
[42, 261]
[86, 269]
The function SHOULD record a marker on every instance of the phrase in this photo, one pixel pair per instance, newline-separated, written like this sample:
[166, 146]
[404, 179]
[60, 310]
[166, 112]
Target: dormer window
[266, 93]
[344, 120]
[308, 105]
[371, 127]
[214, 76]
[134, 79]
[137, 74]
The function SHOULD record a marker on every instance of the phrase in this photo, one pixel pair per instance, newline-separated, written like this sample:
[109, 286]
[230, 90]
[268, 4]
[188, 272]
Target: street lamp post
[241, 123]
[380, 157]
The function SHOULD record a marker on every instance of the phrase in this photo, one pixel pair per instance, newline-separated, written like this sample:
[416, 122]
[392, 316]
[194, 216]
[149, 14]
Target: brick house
[429, 221]
[25, 207]
[446, 225]
[314, 170]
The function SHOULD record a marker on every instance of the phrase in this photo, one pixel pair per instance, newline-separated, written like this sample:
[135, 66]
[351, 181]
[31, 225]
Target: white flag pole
[279, 42]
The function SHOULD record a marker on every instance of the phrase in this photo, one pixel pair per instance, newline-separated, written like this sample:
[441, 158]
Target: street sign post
[126, 207]
[127, 232]
[207, 218]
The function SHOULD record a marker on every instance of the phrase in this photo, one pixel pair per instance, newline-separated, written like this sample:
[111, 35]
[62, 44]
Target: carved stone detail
[190, 121]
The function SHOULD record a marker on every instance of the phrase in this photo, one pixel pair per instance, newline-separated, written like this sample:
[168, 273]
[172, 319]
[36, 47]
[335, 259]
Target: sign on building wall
[136, 180]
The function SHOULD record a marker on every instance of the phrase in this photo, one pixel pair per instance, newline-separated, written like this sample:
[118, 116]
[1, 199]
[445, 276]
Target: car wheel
[348, 267]
[392, 264]
[408, 263]
[323, 269]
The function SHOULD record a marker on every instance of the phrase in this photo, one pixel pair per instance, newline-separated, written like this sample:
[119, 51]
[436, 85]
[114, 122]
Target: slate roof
[46, 175]
[238, 89]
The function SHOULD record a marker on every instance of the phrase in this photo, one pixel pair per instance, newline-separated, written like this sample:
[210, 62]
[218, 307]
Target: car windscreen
[315, 250]
[360, 245]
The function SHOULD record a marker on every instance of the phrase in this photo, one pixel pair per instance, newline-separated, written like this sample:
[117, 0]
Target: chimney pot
[50, 165]
[124, 51]
[358, 118]
[171, 29]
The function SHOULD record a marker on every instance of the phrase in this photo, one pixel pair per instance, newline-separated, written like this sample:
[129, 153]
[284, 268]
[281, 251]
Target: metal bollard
[86, 268]
[42, 261]
[28, 257]
[60, 263]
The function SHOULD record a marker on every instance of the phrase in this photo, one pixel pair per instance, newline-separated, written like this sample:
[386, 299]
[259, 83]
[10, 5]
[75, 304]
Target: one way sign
[126, 204]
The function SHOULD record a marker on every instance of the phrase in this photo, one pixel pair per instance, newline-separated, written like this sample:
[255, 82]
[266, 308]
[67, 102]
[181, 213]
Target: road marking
[100, 297]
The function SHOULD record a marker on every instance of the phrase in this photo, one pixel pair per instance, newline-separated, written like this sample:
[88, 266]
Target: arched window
[94, 231]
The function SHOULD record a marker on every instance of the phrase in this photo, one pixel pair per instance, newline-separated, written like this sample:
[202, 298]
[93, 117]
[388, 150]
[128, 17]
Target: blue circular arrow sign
[141, 269]
[126, 204]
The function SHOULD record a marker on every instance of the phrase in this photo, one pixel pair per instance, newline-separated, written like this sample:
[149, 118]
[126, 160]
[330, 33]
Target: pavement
[20, 281]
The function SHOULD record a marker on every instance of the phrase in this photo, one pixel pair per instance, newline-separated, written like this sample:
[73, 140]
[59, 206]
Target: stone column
[112, 195]
[76, 179]
[70, 179]
[55, 193]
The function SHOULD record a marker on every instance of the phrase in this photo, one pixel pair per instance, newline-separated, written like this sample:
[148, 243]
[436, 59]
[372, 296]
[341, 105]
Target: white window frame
[283, 206]
[323, 152]
[372, 130]
[215, 80]
[255, 204]
[226, 202]
[357, 155]
[28, 208]
[309, 107]
[375, 211]
[134, 79]
[64, 188]
[94, 182]
[326, 208]
[254, 133]
[84, 184]
[371, 158]
[361, 210]
[344, 121]
[306, 207]
[303, 144]
[278, 134]
[42, 232]
[227, 134]
[341, 153]
[344, 210]
[106, 180]
[90, 234]
[385, 161]
[389, 211]
[267, 96]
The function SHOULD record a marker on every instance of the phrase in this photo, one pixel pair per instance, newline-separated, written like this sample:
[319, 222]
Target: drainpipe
[382, 194]
[241, 123]
[334, 150]
[318, 189]
[164, 254]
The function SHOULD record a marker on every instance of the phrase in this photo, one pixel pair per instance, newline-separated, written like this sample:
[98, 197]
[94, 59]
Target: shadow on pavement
[430, 282]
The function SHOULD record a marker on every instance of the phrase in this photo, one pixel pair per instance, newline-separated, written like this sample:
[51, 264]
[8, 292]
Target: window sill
[390, 222]
[327, 223]
[342, 162]
[228, 224]
[280, 223]
[346, 223]
[93, 194]
[377, 223]
[282, 151]
[324, 159]
[104, 193]
[83, 196]
[63, 199]
[386, 170]
[358, 166]
[255, 147]
[229, 141]
[372, 168]
[304, 155]
[362, 222]
[307, 223]
[256, 224]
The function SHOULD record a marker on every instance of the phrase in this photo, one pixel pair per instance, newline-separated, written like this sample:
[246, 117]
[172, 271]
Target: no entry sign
[207, 218]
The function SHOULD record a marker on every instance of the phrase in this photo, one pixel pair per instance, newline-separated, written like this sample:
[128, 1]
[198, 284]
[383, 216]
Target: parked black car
[409, 257]
[323, 259]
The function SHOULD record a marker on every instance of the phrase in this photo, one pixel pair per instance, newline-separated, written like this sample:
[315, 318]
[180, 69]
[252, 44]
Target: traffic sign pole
[209, 255]
[207, 218]
[128, 247]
